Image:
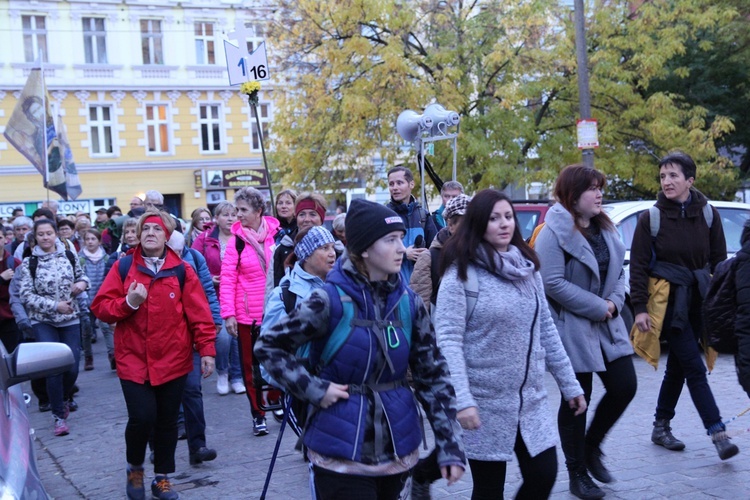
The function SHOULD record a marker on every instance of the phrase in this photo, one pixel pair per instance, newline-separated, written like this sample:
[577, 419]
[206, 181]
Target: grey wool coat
[497, 362]
[574, 284]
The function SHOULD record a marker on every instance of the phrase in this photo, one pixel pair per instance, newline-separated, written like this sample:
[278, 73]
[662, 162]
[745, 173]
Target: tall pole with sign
[586, 127]
[247, 69]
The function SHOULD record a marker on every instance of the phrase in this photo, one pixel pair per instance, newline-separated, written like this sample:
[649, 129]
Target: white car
[625, 216]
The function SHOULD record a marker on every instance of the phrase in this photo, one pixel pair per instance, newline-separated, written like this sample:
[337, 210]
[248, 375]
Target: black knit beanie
[367, 222]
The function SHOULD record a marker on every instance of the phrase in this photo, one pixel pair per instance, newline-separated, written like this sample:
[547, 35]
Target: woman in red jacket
[161, 311]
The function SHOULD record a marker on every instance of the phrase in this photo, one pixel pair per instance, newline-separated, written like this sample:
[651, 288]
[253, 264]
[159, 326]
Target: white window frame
[150, 37]
[101, 124]
[252, 42]
[209, 122]
[35, 34]
[265, 122]
[156, 123]
[92, 36]
[208, 48]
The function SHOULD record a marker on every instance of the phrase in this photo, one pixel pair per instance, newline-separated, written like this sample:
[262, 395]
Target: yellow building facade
[142, 90]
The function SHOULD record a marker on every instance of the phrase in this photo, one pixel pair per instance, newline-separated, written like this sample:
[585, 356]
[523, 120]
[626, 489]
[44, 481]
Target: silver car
[625, 216]
[19, 477]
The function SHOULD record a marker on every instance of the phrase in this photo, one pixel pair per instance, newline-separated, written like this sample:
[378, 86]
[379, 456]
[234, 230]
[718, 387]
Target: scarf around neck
[94, 257]
[257, 240]
[510, 266]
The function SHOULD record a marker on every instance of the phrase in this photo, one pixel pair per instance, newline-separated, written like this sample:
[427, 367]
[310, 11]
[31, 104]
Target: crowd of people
[353, 333]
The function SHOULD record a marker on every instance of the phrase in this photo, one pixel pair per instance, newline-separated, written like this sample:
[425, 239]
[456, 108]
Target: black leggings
[538, 474]
[620, 382]
[152, 409]
[331, 485]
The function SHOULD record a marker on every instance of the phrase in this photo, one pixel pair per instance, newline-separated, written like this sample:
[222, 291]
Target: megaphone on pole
[441, 119]
[410, 123]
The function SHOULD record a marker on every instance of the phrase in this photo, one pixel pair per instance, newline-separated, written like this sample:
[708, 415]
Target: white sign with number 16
[243, 67]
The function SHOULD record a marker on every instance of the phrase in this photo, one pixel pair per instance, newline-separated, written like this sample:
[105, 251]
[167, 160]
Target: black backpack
[720, 308]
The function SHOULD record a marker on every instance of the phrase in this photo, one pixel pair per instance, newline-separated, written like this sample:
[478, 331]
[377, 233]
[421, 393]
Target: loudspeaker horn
[441, 119]
[410, 123]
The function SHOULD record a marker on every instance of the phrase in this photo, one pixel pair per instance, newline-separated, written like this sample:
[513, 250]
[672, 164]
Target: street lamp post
[584, 95]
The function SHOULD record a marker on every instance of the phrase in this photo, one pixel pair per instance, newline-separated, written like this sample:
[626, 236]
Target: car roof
[621, 209]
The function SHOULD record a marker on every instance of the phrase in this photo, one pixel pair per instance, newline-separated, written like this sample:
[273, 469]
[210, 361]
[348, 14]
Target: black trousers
[9, 334]
[620, 382]
[152, 409]
[538, 474]
[335, 486]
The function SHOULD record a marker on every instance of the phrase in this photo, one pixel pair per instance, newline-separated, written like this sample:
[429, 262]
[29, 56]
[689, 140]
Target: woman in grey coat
[497, 356]
[581, 256]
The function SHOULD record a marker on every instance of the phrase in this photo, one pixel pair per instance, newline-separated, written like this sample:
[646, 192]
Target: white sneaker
[238, 387]
[222, 383]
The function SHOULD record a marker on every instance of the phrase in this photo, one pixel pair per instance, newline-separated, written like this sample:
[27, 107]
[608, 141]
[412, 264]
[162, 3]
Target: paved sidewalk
[90, 461]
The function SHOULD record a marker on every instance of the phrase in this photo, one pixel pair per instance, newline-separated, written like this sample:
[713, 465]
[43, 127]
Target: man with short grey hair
[450, 190]
[153, 199]
[21, 226]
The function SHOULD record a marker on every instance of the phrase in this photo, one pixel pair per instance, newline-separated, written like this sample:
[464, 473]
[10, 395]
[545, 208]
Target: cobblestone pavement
[90, 461]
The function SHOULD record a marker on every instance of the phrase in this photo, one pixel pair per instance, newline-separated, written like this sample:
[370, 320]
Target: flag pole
[44, 123]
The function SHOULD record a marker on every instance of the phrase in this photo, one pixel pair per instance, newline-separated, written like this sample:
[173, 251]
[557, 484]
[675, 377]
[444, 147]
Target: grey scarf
[511, 266]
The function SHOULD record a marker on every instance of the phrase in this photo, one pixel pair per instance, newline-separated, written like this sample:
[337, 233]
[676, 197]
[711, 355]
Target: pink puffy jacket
[242, 289]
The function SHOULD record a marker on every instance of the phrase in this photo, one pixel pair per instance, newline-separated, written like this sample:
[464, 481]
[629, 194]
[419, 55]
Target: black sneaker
[583, 487]
[72, 405]
[161, 489]
[278, 415]
[45, 407]
[202, 455]
[259, 426]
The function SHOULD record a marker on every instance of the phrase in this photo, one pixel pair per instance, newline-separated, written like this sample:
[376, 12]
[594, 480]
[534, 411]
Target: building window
[101, 128]
[204, 43]
[263, 110]
[210, 125]
[151, 41]
[157, 128]
[255, 40]
[34, 38]
[94, 40]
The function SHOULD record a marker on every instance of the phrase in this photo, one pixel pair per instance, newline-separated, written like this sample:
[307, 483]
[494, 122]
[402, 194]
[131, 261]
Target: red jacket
[155, 342]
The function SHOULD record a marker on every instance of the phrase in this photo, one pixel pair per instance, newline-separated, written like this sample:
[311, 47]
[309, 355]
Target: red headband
[308, 204]
[157, 220]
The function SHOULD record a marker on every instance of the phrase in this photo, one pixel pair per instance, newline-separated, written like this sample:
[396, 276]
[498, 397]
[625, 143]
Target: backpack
[720, 308]
[654, 215]
[124, 264]
[34, 263]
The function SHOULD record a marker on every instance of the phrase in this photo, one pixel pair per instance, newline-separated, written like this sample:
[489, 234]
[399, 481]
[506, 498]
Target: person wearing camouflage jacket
[365, 421]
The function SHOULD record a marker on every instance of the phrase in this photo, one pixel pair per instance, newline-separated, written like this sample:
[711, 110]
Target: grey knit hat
[316, 237]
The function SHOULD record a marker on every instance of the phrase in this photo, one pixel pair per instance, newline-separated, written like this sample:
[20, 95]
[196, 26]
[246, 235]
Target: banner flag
[72, 181]
[31, 130]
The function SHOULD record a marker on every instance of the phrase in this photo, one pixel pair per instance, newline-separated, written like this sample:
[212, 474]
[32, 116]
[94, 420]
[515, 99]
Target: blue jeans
[58, 385]
[685, 364]
[228, 355]
[192, 404]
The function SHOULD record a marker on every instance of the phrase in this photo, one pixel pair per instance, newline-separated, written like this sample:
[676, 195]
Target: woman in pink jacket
[243, 280]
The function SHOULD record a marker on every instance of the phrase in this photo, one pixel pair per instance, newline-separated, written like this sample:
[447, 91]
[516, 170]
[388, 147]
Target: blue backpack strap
[405, 314]
[342, 330]
[123, 266]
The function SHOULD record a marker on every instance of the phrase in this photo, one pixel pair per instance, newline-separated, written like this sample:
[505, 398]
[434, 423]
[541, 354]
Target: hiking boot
[202, 455]
[419, 490]
[259, 426]
[583, 487]
[239, 388]
[593, 460]
[662, 435]
[222, 383]
[89, 363]
[112, 363]
[161, 489]
[62, 429]
[134, 487]
[724, 445]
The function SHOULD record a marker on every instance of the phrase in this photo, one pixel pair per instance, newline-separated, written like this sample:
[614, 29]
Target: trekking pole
[737, 416]
[275, 454]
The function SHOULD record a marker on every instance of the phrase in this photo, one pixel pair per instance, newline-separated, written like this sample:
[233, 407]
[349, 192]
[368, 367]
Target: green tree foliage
[508, 68]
